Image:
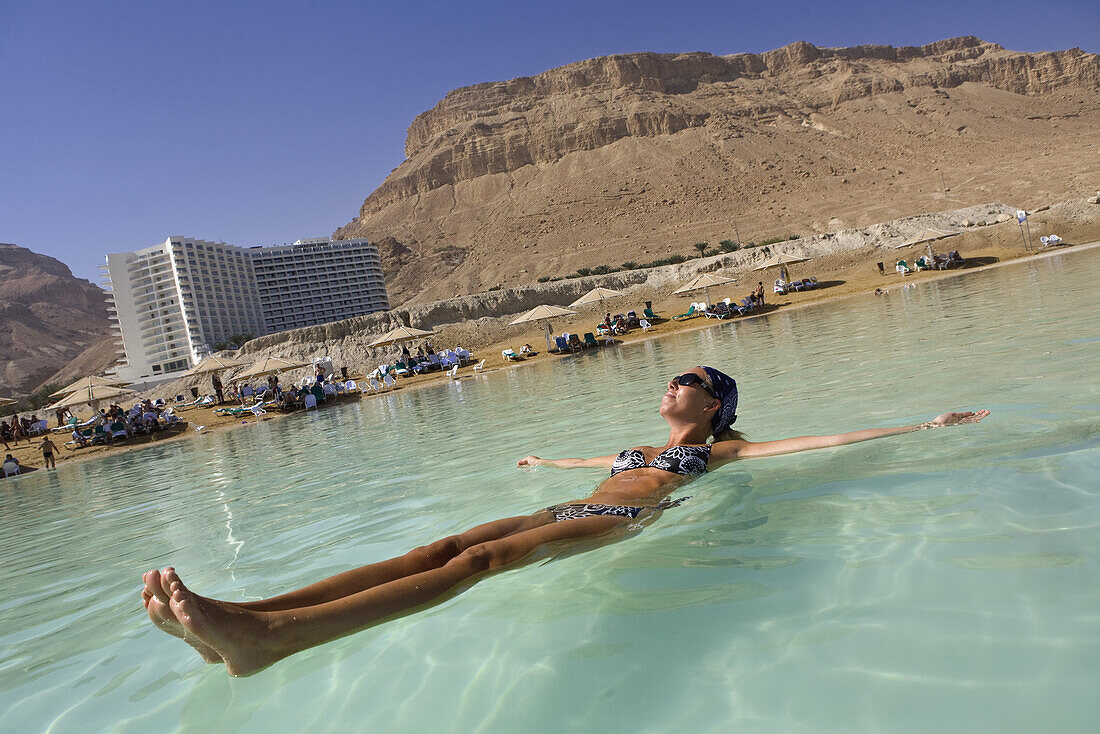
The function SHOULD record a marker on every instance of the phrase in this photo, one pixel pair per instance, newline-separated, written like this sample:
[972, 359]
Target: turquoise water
[943, 581]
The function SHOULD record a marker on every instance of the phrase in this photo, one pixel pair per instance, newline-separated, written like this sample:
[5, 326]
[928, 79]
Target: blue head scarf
[725, 388]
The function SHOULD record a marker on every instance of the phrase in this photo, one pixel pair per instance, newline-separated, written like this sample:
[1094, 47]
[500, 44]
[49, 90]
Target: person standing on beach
[216, 383]
[758, 294]
[47, 447]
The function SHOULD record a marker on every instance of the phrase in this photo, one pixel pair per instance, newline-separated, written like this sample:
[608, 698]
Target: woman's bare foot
[157, 605]
[241, 637]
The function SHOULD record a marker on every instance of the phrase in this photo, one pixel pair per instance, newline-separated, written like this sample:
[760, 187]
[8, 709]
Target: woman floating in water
[699, 404]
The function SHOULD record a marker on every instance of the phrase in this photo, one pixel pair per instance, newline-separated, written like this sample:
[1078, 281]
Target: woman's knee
[440, 551]
[484, 556]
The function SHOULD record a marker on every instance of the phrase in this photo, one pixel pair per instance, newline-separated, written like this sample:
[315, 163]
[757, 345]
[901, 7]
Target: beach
[843, 275]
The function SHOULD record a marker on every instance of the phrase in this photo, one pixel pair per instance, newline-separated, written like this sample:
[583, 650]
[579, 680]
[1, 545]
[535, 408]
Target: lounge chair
[330, 390]
[509, 354]
[311, 401]
[717, 311]
[11, 469]
[648, 312]
[373, 384]
[903, 267]
[464, 355]
[780, 287]
[350, 386]
[389, 381]
[100, 435]
[923, 263]
[401, 369]
[561, 344]
[690, 313]
[118, 430]
[590, 339]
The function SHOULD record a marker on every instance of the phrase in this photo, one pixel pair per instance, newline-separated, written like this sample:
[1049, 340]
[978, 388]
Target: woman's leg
[344, 584]
[157, 592]
[249, 640]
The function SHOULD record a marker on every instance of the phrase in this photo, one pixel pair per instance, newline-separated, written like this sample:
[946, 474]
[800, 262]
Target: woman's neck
[687, 434]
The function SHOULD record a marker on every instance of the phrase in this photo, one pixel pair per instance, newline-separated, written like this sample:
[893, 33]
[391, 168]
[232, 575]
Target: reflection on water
[943, 580]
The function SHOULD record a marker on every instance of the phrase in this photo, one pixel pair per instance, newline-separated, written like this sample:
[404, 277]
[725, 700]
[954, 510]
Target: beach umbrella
[90, 394]
[213, 364]
[543, 313]
[596, 295]
[926, 236]
[84, 382]
[400, 334]
[268, 366]
[704, 282]
[781, 261]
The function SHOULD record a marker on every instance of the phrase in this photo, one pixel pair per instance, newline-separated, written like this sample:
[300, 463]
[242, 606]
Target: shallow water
[942, 581]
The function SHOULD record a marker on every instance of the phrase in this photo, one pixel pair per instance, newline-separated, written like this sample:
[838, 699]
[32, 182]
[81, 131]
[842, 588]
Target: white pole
[547, 322]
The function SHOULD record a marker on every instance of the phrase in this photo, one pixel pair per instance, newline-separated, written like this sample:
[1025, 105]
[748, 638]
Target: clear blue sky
[261, 122]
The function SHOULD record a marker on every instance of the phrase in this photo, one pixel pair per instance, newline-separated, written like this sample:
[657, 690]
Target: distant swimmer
[700, 408]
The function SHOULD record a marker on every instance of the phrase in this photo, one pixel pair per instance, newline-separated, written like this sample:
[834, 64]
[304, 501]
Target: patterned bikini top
[687, 460]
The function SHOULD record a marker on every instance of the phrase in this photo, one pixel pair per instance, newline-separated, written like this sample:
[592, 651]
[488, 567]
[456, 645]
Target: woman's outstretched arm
[597, 462]
[724, 451]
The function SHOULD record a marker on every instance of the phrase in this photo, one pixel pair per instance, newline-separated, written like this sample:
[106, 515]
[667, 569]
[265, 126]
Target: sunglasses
[690, 378]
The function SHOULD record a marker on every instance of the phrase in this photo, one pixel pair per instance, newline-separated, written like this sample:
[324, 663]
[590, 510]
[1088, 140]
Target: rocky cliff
[633, 156]
[47, 317]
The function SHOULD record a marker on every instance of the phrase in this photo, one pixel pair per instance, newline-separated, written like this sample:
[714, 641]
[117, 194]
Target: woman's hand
[957, 419]
[531, 461]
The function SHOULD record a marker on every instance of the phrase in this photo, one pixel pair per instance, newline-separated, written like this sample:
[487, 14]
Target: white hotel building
[171, 303]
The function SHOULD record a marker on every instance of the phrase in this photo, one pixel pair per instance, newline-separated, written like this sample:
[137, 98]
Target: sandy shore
[845, 275]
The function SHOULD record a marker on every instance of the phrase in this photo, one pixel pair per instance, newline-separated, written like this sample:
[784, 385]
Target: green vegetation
[703, 249]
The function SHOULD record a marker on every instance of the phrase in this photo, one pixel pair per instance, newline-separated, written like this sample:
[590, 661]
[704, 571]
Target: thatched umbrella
[268, 366]
[398, 335]
[926, 236]
[544, 313]
[704, 282]
[214, 364]
[596, 295]
[85, 382]
[781, 261]
[90, 394]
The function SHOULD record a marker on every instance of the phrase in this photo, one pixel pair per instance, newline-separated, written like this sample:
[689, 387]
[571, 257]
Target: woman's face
[689, 403]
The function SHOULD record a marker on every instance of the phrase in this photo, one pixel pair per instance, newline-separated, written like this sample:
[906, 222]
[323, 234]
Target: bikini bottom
[572, 511]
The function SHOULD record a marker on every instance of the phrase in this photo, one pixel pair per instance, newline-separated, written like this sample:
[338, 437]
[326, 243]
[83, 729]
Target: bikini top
[687, 460]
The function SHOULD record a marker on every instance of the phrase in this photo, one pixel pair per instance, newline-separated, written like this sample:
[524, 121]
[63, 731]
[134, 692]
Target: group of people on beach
[16, 429]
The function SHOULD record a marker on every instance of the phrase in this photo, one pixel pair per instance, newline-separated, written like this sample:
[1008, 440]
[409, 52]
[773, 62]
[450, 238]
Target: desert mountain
[47, 317]
[632, 157]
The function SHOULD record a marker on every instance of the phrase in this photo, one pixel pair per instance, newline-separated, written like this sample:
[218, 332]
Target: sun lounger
[509, 354]
[590, 339]
[648, 313]
[401, 369]
[389, 381]
[717, 311]
[690, 313]
[118, 430]
[903, 267]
